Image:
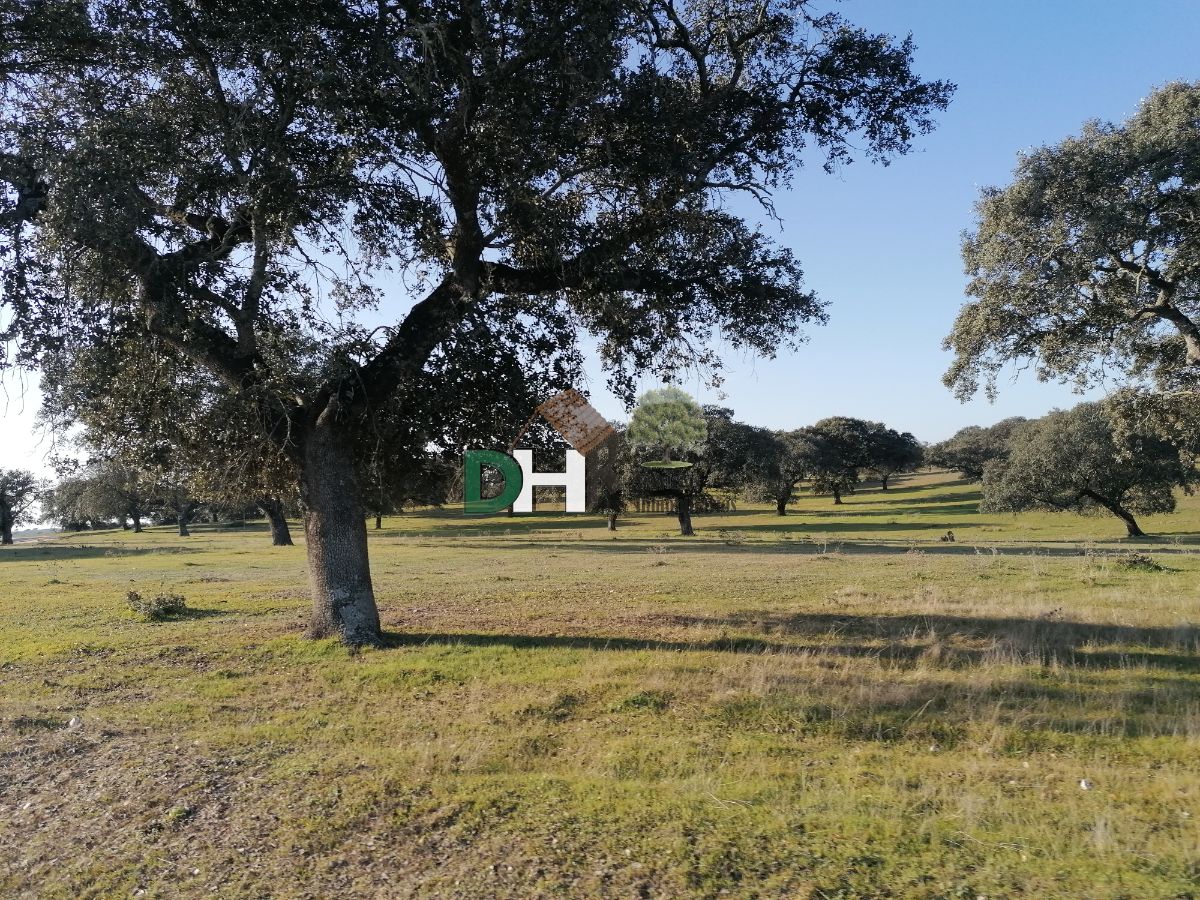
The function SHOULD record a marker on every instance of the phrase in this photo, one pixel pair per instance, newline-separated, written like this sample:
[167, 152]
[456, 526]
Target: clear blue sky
[882, 243]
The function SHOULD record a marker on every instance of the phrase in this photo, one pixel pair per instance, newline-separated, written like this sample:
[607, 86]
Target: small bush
[158, 608]
[1137, 562]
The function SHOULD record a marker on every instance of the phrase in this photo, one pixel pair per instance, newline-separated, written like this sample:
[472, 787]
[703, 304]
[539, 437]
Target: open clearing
[767, 709]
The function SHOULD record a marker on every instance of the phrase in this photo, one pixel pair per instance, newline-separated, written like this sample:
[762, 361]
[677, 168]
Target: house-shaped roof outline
[576, 420]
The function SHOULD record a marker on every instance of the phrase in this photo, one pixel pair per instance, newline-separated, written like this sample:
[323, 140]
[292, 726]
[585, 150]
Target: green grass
[832, 704]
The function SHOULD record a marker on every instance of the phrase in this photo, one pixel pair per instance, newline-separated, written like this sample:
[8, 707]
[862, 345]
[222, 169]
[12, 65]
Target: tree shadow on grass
[1154, 689]
[816, 545]
[37, 552]
[952, 641]
[947, 508]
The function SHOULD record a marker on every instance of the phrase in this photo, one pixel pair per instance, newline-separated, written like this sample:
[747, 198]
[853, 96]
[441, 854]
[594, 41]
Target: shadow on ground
[948, 640]
[36, 552]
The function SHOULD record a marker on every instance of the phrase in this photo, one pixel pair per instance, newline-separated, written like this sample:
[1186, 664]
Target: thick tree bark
[378, 522]
[883, 480]
[1120, 512]
[612, 521]
[272, 508]
[136, 515]
[837, 497]
[339, 572]
[683, 509]
[781, 503]
[183, 529]
[6, 527]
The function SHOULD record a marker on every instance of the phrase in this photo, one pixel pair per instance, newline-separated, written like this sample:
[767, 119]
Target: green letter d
[473, 502]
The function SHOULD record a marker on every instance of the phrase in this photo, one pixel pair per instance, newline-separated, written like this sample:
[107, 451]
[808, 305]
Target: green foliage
[1090, 260]
[1173, 416]
[971, 449]
[1138, 562]
[206, 156]
[101, 494]
[890, 452]
[1069, 460]
[666, 423]
[159, 608]
[19, 491]
[841, 451]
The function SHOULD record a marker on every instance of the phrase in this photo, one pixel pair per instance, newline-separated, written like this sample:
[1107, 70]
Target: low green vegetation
[832, 704]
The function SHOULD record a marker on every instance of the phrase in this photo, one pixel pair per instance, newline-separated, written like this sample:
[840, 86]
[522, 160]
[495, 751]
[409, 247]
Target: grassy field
[832, 705]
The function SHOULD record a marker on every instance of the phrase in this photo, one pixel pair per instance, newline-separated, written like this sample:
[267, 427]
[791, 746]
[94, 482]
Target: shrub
[160, 607]
[1137, 562]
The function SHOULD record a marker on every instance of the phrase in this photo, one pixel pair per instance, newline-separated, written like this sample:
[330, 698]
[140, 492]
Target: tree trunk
[612, 521]
[272, 508]
[883, 480]
[1120, 512]
[339, 571]
[837, 497]
[781, 505]
[183, 529]
[683, 508]
[6, 527]
[136, 515]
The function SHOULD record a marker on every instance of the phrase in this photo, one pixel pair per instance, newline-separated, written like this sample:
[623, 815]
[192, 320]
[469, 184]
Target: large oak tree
[1071, 460]
[235, 176]
[1088, 263]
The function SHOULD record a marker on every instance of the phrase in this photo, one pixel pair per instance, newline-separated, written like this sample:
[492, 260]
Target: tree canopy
[970, 449]
[1070, 460]
[842, 449]
[1088, 263]
[18, 494]
[890, 452]
[239, 180]
[667, 423]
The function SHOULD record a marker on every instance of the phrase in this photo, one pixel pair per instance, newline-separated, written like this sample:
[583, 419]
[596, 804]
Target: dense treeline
[1087, 459]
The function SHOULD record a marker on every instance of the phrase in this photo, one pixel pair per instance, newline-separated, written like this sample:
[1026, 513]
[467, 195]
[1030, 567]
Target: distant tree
[101, 494]
[62, 504]
[1089, 262]
[666, 423]
[792, 457]
[730, 457]
[1070, 460]
[890, 452]
[669, 426]
[842, 448]
[738, 456]
[970, 449]
[18, 493]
